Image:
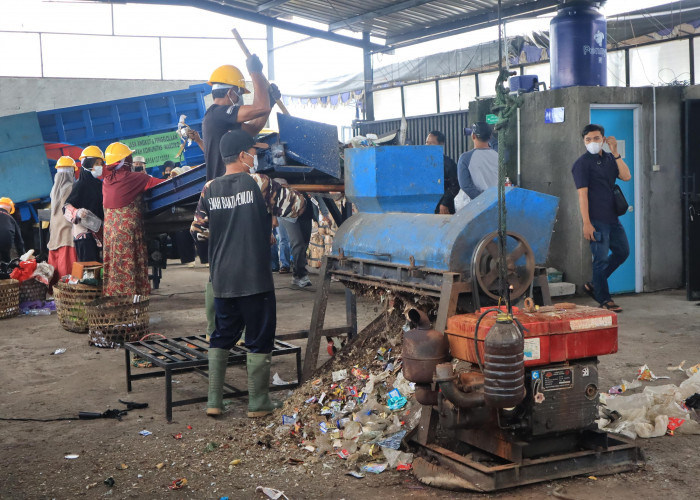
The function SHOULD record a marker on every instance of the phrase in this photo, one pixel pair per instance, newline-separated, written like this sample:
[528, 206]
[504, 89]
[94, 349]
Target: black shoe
[588, 288]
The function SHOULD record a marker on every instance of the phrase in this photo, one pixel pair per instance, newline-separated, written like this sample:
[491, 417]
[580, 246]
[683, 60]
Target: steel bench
[189, 354]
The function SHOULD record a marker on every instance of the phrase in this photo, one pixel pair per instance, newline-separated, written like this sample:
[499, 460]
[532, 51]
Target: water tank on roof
[578, 47]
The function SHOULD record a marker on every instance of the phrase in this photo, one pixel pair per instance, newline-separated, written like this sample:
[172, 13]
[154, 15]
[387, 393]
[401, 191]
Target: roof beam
[271, 5]
[397, 7]
[473, 22]
[230, 10]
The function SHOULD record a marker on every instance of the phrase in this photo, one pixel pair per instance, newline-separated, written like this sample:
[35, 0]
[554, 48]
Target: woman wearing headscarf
[61, 249]
[125, 252]
[84, 206]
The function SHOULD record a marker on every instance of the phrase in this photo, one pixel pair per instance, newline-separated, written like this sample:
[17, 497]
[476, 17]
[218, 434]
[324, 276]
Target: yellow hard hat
[66, 161]
[116, 152]
[6, 201]
[92, 152]
[229, 75]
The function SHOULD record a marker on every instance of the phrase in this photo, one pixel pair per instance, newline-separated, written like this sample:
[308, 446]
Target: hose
[476, 335]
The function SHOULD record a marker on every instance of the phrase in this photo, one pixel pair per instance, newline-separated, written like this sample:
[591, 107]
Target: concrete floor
[658, 329]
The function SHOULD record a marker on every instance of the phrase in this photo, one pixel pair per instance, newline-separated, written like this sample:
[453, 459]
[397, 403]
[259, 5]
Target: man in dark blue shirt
[595, 173]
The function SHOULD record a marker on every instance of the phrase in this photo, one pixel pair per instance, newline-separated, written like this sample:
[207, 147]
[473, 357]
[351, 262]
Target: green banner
[156, 148]
[491, 119]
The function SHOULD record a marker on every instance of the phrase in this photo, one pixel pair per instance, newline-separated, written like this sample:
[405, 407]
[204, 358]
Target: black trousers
[184, 245]
[86, 249]
[299, 236]
[256, 313]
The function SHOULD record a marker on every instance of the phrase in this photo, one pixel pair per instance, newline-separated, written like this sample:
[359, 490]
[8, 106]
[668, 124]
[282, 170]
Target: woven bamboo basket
[31, 290]
[9, 298]
[71, 301]
[114, 321]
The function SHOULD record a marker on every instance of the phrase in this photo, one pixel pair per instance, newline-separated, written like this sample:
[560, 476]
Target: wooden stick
[247, 54]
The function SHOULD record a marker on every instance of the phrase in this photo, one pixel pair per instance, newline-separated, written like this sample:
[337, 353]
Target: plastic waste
[39, 312]
[271, 493]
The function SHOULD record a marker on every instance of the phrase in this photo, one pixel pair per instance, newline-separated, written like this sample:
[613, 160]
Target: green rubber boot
[259, 402]
[209, 309]
[217, 373]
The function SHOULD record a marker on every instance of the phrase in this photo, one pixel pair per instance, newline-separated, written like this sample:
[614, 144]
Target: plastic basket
[71, 301]
[114, 321]
[9, 298]
[32, 290]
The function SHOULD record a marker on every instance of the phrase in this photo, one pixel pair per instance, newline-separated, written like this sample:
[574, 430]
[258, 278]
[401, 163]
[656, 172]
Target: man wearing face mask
[595, 173]
[139, 163]
[234, 215]
[228, 111]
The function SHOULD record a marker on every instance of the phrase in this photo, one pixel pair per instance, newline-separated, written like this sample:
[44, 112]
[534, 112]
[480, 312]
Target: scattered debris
[644, 373]
[236, 461]
[211, 446]
[358, 475]
[178, 484]
[160, 466]
[375, 468]
[178, 435]
[109, 481]
[145, 433]
[277, 380]
[71, 456]
[59, 351]
[678, 368]
[271, 493]
[656, 411]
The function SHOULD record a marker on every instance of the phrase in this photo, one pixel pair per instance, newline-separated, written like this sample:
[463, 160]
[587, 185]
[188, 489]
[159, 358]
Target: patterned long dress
[125, 251]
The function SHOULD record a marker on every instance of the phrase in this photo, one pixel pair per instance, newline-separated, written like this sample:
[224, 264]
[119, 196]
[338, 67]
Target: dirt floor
[659, 329]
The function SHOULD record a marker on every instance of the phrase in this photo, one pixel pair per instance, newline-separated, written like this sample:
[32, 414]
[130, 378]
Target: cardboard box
[79, 268]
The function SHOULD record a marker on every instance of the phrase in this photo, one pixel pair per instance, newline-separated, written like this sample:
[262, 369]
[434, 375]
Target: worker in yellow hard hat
[83, 207]
[124, 249]
[61, 247]
[228, 111]
[10, 235]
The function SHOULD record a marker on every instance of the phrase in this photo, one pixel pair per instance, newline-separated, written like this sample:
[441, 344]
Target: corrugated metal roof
[401, 20]
[398, 22]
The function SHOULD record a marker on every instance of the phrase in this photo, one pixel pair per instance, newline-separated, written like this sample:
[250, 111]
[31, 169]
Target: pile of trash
[358, 412]
[657, 410]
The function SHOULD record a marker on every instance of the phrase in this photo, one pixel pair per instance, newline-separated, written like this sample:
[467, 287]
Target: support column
[369, 77]
[270, 54]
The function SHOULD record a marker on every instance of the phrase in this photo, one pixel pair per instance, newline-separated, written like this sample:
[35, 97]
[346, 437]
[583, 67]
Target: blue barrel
[578, 45]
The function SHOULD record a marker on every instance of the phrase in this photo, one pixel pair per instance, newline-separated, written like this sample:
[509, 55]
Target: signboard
[491, 119]
[156, 148]
[554, 115]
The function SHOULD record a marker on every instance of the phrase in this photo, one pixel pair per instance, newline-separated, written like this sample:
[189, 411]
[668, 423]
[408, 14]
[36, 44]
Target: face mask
[96, 171]
[255, 163]
[239, 102]
[594, 147]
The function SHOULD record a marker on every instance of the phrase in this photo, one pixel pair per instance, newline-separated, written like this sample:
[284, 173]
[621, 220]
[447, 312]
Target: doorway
[622, 122]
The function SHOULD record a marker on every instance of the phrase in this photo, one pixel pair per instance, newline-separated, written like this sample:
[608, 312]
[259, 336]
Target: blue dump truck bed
[304, 151]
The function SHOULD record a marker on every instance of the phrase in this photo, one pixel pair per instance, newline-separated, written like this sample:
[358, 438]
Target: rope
[505, 106]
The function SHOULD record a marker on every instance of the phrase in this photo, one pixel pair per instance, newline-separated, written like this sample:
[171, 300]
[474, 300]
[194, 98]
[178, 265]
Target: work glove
[253, 64]
[274, 92]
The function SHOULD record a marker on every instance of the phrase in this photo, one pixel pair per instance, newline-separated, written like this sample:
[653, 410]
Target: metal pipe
[653, 93]
[517, 114]
[420, 318]
[445, 378]
[319, 188]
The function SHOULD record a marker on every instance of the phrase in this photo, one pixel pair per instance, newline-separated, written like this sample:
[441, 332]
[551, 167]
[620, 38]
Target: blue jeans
[285, 249]
[274, 256]
[609, 251]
